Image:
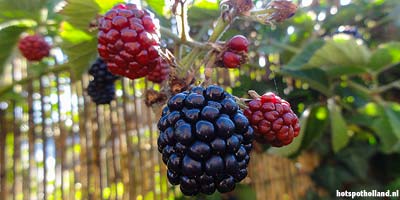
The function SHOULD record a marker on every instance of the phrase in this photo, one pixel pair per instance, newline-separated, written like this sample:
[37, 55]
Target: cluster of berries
[205, 141]
[34, 47]
[236, 52]
[102, 88]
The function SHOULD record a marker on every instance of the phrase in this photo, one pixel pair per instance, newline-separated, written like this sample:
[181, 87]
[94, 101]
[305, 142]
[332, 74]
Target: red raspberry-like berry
[273, 120]
[160, 72]
[238, 43]
[129, 41]
[34, 47]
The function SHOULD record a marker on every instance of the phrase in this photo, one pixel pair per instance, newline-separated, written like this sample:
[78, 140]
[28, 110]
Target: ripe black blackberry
[205, 141]
[102, 88]
[101, 93]
[100, 72]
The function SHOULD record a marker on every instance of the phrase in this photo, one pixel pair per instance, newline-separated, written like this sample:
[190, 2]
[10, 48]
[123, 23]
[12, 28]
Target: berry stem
[241, 102]
[191, 43]
[253, 94]
[221, 25]
[181, 18]
[209, 68]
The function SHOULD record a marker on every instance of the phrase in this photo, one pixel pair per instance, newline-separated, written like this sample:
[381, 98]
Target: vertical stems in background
[76, 163]
[60, 141]
[25, 142]
[119, 131]
[17, 140]
[128, 130]
[115, 141]
[31, 140]
[82, 139]
[139, 145]
[88, 127]
[149, 123]
[3, 134]
[293, 181]
[44, 137]
[97, 154]
[106, 146]
[17, 152]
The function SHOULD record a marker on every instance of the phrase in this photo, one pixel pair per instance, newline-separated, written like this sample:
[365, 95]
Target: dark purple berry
[199, 150]
[191, 167]
[205, 130]
[214, 165]
[204, 139]
[209, 113]
[225, 127]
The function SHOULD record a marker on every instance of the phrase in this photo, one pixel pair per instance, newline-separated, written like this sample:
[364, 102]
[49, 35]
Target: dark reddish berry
[34, 47]
[231, 60]
[238, 43]
[235, 53]
[205, 141]
[128, 40]
[160, 72]
[273, 120]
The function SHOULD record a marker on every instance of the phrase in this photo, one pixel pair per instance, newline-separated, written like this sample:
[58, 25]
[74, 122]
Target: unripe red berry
[160, 72]
[231, 60]
[273, 120]
[238, 43]
[129, 41]
[34, 47]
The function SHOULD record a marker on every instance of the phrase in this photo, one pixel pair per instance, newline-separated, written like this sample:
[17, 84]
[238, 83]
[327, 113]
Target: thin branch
[359, 87]
[7, 88]
[191, 43]
[384, 88]
[387, 67]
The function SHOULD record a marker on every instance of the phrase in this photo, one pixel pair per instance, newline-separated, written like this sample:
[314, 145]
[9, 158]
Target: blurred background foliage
[336, 61]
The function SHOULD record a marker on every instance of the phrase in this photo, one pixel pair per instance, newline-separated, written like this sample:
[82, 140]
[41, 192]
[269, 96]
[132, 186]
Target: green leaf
[107, 5]
[73, 35]
[387, 54]
[246, 82]
[316, 78]
[332, 177]
[392, 112]
[203, 10]
[340, 138]
[243, 191]
[356, 158]
[81, 13]
[340, 52]
[21, 9]
[9, 37]
[157, 6]
[336, 71]
[80, 55]
[294, 147]
[383, 126]
[305, 55]
[317, 120]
